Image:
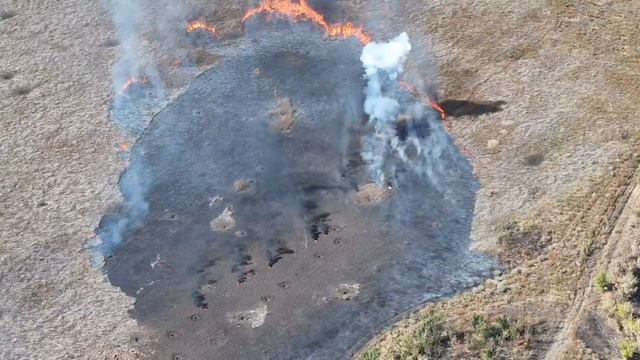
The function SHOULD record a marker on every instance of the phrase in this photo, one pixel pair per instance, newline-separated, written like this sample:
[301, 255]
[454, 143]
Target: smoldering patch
[347, 292]
[458, 108]
[371, 194]
[225, 221]
[249, 318]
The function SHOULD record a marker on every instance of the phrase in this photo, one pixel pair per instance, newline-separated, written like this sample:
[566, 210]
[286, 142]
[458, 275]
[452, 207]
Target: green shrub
[431, 339]
[491, 338]
[371, 355]
[632, 326]
[628, 349]
[623, 311]
[602, 283]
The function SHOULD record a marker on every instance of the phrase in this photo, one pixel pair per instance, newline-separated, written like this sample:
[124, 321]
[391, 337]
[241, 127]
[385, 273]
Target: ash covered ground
[552, 167]
[265, 240]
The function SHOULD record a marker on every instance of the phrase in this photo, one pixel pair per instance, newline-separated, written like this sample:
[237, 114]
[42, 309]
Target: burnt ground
[554, 162]
[301, 269]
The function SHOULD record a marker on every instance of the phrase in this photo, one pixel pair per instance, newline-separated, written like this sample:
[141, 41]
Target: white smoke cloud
[383, 150]
[383, 63]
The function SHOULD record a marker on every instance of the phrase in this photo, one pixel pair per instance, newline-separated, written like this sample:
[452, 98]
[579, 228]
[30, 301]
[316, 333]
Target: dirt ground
[556, 167]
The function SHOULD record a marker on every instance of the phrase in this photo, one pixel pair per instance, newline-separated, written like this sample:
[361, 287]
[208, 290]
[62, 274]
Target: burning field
[302, 179]
[293, 200]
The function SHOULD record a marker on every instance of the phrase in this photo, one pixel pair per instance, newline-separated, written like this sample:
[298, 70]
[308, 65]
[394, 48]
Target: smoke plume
[383, 63]
[406, 134]
[139, 93]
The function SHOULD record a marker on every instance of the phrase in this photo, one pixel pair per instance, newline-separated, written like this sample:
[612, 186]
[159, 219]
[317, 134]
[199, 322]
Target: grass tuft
[602, 283]
[371, 355]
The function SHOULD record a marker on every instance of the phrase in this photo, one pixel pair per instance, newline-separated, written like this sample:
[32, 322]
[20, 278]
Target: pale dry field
[556, 166]
[59, 173]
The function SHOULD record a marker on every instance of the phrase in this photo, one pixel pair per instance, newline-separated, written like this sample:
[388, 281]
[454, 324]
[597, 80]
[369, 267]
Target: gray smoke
[139, 31]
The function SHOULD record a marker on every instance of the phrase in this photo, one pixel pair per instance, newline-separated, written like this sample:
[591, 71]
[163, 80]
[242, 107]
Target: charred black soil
[292, 266]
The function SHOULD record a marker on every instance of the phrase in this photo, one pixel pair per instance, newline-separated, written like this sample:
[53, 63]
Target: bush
[602, 283]
[371, 355]
[632, 326]
[622, 311]
[491, 338]
[430, 339]
[628, 349]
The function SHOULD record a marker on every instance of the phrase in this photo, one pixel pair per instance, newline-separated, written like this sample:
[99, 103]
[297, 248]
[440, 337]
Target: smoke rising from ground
[403, 133]
[383, 63]
[139, 92]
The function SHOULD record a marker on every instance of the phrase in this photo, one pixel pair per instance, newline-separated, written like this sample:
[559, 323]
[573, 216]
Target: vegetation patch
[371, 355]
[602, 283]
[430, 339]
[495, 339]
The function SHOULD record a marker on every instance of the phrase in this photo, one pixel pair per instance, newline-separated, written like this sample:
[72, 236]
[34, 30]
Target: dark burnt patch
[21, 90]
[204, 278]
[6, 75]
[527, 243]
[111, 43]
[456, 108]
[243, 264]
[319, 225]
[595, 334]
[276, 249]
[402, 129]
[534, 159]
[7, 14]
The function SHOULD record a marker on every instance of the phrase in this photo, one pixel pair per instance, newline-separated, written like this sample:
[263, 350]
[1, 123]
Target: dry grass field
[558, 203]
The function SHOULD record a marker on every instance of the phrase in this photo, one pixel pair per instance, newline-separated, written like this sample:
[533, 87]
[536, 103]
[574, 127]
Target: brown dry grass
[59, 173]
[283, 115]
[568, 74]
[567, 70]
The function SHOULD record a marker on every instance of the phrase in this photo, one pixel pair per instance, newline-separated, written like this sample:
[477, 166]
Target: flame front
[201, 25]
[426, 99]
[302, 11]
[132, 81]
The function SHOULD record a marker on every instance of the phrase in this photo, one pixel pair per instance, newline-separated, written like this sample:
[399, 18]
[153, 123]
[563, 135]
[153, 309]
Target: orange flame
[201, 25]
[132, 81]
[302, 11]
[427, 101]
[124, 147]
